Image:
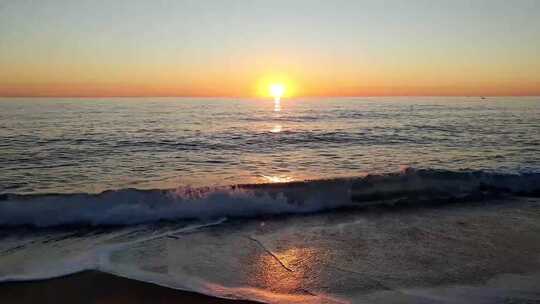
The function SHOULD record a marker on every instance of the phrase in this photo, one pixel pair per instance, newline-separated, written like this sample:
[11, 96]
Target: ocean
[91, 145]
[318, 200]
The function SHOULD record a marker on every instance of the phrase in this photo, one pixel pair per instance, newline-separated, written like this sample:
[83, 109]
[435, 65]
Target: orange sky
[183, 48]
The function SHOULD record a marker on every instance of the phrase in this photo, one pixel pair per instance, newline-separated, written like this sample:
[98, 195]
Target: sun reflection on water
[277, 178]
[276, 129]
[277, 105]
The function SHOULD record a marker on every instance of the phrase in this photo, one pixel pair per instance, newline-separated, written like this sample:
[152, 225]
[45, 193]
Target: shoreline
[480, 253]
[99, 287]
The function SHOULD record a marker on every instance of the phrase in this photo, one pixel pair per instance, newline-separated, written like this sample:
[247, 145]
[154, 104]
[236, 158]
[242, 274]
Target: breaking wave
[132, 206]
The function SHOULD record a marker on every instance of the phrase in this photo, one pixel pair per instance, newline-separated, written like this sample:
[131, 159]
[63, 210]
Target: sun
[277, 90]
[275, 86]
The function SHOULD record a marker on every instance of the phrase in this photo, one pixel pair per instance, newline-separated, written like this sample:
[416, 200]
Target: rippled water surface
[91, 145]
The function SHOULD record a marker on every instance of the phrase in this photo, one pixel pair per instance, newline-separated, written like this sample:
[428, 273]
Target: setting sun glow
[277, 90]
[362, 48]
[277, 86]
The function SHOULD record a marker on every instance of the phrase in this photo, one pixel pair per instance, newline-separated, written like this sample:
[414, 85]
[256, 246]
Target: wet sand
[98, 287]
[483, 252]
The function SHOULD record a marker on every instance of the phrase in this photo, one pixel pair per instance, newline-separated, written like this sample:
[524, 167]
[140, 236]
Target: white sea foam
[130, 206]
[84, 254]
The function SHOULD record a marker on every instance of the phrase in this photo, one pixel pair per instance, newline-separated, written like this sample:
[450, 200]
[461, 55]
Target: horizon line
[255, 97]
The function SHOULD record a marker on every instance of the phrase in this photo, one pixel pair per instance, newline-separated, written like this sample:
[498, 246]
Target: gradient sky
[228, 48]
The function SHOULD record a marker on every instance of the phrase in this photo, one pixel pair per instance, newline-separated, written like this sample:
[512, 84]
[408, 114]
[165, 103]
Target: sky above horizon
[232, 48]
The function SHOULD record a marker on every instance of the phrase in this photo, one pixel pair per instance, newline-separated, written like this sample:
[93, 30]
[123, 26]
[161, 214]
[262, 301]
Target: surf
[409, 187]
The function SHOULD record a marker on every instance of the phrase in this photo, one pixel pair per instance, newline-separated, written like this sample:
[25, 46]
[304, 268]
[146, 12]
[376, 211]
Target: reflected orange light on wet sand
[286, 271]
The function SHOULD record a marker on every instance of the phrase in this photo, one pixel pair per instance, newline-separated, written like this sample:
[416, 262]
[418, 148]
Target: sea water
[89, 145]
[243, 199]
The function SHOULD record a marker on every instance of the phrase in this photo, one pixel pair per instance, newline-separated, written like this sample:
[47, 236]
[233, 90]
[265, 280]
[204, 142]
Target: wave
[132, 206]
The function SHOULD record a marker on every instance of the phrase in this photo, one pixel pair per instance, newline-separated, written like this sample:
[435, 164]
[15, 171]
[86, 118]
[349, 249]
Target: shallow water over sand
[477, 253]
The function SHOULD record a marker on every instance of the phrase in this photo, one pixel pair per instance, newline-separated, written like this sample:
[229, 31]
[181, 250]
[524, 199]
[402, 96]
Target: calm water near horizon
[94, 144]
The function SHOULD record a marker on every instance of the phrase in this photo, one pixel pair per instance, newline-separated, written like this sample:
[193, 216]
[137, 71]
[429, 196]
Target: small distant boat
[482, 97]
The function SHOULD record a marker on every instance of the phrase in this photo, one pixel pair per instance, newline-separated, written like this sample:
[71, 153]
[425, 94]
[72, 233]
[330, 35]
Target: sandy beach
[100, 288]
[485, 252]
